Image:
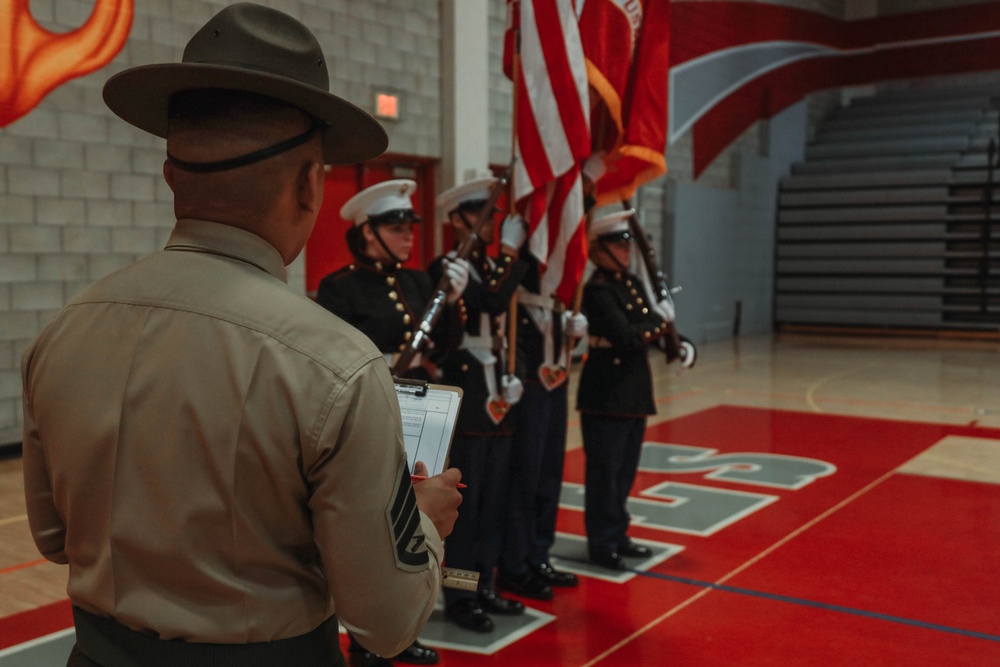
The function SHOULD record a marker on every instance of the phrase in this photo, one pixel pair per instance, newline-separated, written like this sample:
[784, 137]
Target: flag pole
[511, 202]
[569, 341]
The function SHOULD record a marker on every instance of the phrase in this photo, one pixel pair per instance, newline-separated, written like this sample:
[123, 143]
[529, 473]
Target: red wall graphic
[35, 61]
[734, 63]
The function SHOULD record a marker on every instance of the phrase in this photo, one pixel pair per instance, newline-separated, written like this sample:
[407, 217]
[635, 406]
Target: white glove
[512, 232]
[575, 326]
[595, 166]
[512, 389]
[665, 308]
[457, 271]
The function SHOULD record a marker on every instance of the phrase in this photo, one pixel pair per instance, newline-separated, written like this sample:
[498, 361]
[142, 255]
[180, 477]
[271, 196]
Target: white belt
[531, 299]
[481, 348]
[483, 342]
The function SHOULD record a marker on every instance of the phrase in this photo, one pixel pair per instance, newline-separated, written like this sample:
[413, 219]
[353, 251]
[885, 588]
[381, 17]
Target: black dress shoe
[418, 654]
[554, 577]
[492, 602]
[528, 585]
[611, 560]
[367, 659]
[633, 550]
[467, 613]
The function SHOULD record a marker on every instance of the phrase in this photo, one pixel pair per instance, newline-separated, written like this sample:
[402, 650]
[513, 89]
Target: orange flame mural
[35, 61]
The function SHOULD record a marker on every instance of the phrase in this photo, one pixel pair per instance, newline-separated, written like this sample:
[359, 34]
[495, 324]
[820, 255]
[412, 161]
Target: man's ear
[309, 187]
[168, 174]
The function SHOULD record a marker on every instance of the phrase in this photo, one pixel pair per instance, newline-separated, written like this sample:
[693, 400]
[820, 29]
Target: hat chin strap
[465, 221]
[249, 158]
[378, 237]
[611, 255]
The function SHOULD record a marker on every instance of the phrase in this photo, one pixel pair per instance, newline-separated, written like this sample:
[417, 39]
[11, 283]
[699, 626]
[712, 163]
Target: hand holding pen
[438, 496]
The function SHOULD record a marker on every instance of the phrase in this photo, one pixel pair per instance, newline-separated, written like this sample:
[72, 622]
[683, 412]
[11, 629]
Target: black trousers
[102, 642]
[612, 447]
[476, 540]
[537, 456]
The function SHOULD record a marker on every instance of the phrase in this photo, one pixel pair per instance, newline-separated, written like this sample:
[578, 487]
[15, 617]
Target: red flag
[552, 136]
[629, 103]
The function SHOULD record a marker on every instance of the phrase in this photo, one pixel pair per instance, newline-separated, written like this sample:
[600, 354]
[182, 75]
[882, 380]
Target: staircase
[886, 224]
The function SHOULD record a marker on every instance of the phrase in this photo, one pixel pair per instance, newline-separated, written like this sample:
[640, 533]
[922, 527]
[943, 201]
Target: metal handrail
[984, 262]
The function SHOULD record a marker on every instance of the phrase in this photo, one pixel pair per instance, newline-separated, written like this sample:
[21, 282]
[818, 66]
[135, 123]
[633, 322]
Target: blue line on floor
[820, 605]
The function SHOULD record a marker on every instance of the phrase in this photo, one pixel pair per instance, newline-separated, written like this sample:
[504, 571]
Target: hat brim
[141, 97]
[397, 216]
[614, 237]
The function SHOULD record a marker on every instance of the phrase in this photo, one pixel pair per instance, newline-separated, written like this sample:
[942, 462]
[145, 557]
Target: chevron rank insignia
[404, 525]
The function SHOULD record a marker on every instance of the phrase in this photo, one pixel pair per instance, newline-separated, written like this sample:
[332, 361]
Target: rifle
[675, 347]
[435, 307]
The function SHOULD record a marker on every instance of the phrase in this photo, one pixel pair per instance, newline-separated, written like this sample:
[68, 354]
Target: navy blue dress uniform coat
[385, 301]
[616, 380]
[490, 294]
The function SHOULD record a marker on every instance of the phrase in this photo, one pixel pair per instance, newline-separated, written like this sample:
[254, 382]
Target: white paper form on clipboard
[429, 412]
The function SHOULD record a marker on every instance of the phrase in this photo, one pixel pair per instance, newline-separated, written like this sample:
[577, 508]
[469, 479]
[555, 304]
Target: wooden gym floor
[810, 500]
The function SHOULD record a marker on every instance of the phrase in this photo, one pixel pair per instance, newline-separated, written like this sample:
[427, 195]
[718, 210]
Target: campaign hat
[250, 48]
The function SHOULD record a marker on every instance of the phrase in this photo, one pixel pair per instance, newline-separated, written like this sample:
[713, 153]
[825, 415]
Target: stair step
[890, 163]
[915, 131]
[932, 213]
[865, 249]
[936, 92]
[933, 195]
[914, 177]
[883, 106]
[949, 144]
[877, 317]
[849, 284]
[907, 232]
[921, 118]
[866, 301]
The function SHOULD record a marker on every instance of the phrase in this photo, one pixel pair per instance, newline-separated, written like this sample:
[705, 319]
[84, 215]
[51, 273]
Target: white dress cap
[378, 199]
[614, 223]
[478, 189]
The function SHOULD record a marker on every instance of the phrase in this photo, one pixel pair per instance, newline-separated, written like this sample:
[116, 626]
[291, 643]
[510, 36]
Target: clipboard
[429, 413]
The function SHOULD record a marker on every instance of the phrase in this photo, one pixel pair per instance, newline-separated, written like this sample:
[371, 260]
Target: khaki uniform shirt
[218, 459]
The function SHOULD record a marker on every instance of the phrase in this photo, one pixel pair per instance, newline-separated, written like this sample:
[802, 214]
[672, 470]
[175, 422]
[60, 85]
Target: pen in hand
[420, 478]
[420, 474]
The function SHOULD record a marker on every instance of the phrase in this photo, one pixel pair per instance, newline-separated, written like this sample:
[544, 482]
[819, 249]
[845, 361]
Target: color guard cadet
[375, 293]
[482, 444]
[615, 394]
[384, 301]
[539, 445]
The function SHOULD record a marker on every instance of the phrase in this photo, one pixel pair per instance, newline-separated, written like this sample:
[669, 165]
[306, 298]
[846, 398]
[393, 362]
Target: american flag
[552, 136]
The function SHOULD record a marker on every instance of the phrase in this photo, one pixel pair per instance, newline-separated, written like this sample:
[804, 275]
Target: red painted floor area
[35, 623]
[861, 567]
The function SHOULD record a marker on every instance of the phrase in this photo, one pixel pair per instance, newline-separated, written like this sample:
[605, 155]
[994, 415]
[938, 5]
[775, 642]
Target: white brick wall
[82, 192]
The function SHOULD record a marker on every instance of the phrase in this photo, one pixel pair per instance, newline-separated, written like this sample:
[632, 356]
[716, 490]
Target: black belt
[111, 644]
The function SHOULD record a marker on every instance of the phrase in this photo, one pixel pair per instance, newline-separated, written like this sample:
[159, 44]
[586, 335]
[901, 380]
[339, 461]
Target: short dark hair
[356, 241]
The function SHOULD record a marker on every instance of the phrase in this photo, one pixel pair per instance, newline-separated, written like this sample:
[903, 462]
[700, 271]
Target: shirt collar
[219, 239]
[377, 265]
